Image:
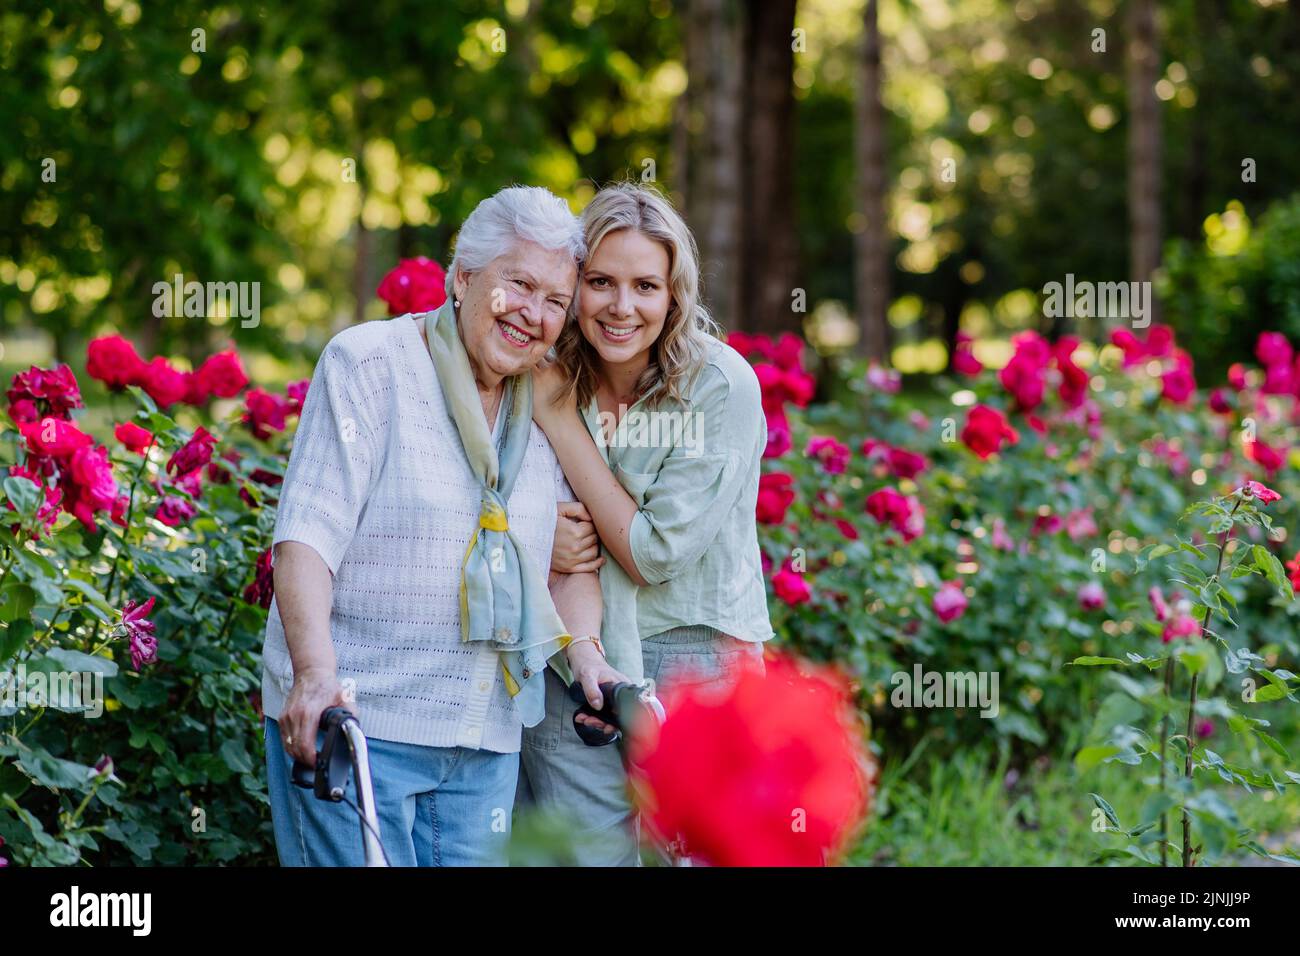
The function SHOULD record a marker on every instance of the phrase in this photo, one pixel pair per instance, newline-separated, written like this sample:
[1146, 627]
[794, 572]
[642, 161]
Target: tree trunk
[769, 239]
[872, 243]
[1143, 141]
[711, 178]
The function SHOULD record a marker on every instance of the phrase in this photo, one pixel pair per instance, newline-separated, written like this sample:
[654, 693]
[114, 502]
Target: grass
[973, 809]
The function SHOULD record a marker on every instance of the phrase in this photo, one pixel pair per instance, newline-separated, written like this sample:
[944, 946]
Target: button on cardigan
[378, 485]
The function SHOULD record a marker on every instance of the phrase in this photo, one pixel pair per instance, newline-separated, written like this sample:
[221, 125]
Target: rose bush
[142, 562]
[1013, 538]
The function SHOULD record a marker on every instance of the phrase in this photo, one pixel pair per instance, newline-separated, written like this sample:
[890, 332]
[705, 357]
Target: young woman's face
[624, 297]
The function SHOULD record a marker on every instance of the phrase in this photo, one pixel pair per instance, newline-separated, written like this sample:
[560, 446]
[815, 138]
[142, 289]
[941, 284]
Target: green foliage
[1243, 280]
[186, 784]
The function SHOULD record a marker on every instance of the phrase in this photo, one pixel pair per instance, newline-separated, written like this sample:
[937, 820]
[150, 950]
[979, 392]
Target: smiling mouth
[514, 335]
[616, 334]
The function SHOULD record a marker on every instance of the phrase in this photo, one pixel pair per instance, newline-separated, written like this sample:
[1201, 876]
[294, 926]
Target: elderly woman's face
[512, 310]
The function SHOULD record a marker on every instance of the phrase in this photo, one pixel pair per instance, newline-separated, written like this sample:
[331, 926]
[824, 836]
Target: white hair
[516, 212]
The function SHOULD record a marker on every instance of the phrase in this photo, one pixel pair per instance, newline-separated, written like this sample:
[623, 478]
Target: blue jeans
[437, 806]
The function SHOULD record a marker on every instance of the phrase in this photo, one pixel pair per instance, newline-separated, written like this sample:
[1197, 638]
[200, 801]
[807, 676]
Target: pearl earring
[456, 303]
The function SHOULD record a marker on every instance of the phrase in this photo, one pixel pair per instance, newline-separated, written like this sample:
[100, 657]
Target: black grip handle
[330, 774]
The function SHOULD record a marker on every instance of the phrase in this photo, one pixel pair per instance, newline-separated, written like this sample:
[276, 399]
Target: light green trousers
[560, 773]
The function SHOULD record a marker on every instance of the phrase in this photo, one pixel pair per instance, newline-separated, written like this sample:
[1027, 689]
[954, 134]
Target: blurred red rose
[415, 285]
[949, 602]
[222, 374]
[769, 770]
[262, 588]
[264, 412]
[775, 494]
[985, 431]
[833, 454]
[195, 453]
[163, 383]
[134, 437]
[41, 392]
[1266, 456]
[54, 437]
[112, 360]
[89, 486]
[789, 585]
[901, 512]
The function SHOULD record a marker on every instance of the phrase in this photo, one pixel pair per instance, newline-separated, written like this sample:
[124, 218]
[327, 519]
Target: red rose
[901, 512]
[262, 589]
[1074, 380]
[963, 357]
[50, 391]
[1261, 493]
[88, 485]
[789, 585]
[163, 383]
[222, 374]
[1237, 376]
[295, 394]
[1272, 348]
[264, 412]
[113, 361]
[906, 464]
[53, 437]
[985, 431]
[778, 435]
[415, 285]
[195, 453]
[1266, 456]
[1178, 384]
[833, 455]
[174, 511]
[949, 602]
[134, 437]
[734, 767]
[775, 495]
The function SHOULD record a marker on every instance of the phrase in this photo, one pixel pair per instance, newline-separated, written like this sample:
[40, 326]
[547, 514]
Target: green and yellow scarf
[504, 600]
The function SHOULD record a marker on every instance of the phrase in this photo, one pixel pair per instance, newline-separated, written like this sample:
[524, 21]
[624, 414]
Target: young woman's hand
[590, 669]
[576, 548]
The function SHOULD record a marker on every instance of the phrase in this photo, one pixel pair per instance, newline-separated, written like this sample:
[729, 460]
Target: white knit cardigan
[377, 483]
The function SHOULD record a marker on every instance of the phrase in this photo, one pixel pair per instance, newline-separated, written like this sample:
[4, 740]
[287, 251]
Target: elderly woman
[411, 540]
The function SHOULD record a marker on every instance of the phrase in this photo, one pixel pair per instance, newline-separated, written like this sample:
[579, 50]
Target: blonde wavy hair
[681, 349]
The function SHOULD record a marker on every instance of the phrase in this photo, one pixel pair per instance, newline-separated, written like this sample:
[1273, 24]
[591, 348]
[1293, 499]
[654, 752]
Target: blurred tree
[872, 273]
[1143, 62]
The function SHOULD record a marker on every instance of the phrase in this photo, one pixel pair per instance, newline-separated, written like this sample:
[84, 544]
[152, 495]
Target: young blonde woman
[659, 428]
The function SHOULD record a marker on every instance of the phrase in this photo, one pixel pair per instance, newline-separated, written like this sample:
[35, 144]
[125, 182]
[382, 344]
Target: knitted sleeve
[336, 455]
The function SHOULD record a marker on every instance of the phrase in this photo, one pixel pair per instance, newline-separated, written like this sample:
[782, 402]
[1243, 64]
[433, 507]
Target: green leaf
[24, 494]
[1089, 757]
[89, 592]
[1106, 808]
[143, 398]
[14, 637]
[1096, 661]
[1273, 745]
[16, 601]
[78, 661]
[235, 756]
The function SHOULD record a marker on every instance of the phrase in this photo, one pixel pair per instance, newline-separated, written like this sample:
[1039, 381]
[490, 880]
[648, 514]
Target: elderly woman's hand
[576, 548]
[314, 691]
